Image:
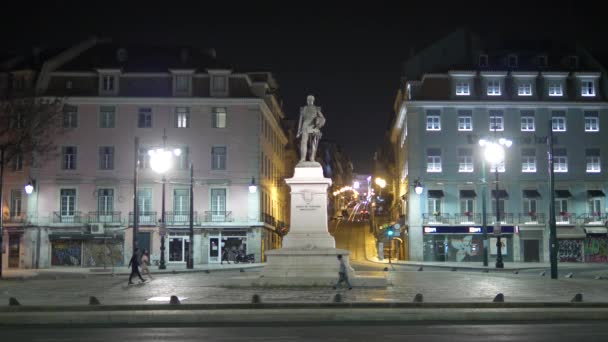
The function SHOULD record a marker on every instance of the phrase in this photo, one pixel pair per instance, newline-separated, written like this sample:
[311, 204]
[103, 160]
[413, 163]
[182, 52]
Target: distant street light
[380, 182]
[418, 187]
[29, 188]
[252, 187]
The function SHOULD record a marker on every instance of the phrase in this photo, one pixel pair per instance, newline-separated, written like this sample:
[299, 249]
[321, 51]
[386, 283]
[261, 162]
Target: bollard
[418, 298]
[515, 272]
[420, 269]
[174, 300]
[578, 298]
[338, 298]
[242, 270]
[386, 269]
[255, 299]
[542, 274]
[93, 300]
[569, 275]
[500, 298]
[13, 302]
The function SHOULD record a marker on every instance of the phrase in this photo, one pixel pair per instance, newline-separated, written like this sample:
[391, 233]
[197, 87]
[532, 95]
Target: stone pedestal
[309, 254]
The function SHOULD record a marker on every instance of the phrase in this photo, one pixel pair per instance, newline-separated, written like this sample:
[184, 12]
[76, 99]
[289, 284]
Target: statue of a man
[309, 128]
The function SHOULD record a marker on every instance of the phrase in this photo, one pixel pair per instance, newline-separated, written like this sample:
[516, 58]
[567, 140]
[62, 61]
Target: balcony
[435, 218]
[146, 218]
[564, 218]
[218, 216]
[593, 218]
[21, 218]
[531, 218]
[467, 218]
[180, 218]
[73, 217]
[269, 219]
[505, 218]
[111, 217]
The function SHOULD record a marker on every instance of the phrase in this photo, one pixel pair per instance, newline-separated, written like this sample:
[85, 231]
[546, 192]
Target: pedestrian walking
[343, 276]
[134, 264]
[225, 256]
[145, 262]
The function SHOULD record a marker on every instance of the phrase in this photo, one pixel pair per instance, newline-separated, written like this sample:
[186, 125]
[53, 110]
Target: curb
[469, 268]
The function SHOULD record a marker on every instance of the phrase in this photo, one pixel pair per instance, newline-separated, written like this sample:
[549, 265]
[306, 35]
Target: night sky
[348, 57]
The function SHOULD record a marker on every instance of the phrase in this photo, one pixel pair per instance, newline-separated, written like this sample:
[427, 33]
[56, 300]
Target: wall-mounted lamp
[30, 186]
[418, 187]
[252, 187]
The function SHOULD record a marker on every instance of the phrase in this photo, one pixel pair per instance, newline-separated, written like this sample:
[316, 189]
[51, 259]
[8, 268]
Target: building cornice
[555, 74]
[503, 104]
[589, 74]
[460, 73]
[493, 73]
[183, 101]
[524, 74]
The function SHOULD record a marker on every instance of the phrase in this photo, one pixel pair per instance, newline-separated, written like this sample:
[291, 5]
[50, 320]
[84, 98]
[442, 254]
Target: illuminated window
[524, 89]
[463, 88]
[593, 160]
[587, 88]
[497, 122]
[465, 120]
[494, 87]
[465, 160]
[558, 121]
[592, 122]
[560, 160]
[528, 160]
[433, 120]
[433, 160]
[527, 121]
[555, 88]
[182, 117]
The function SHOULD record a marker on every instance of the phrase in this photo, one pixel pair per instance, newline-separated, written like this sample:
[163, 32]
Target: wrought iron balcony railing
[180, 217]
[146, 218]
[104, 217]
[218, 216]
[467, 218]
[68, 217]
[435, 218]
[531, 218]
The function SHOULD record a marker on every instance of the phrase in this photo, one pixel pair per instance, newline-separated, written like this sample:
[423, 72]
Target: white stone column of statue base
[308, 256]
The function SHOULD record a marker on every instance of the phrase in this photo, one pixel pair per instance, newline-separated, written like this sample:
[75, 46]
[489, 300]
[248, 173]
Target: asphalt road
[571, 331]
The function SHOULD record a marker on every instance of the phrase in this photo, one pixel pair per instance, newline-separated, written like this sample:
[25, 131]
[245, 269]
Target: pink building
[227, 124]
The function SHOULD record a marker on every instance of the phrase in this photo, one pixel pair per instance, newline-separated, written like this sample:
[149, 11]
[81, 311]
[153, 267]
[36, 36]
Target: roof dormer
[182, 81]
[219, 85]
[109, 81]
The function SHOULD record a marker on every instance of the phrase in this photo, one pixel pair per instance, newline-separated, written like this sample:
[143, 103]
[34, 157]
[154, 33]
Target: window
[462, 88]
[68, 154]
[182, 83]
[144, 197]
[592, 122]
[434, 206]
[218, 156]
[68, 84]
[144, 118]
[467, 206]
[106, 158]
[184, 158]
[560, 160]
[70, 116]
[512, 61]
[528, 160]
[15, 209]
[501, 167]
[527, 121]
[501, 208]
[497, 120]
[182, 117]
[530, 205]
[143, 158]
[181, 201]
[555, 88]
[595, 207]
[561, 206]
[558, 121]
[105, 201]
[465, 160]
[433, 120]
[593, 160]
[107, 83]
[67, 205]
[483, 60]
[18, 162]
[219, 83]
[465, 120]
[494, 87]
[433, 160]
[587, 88]
[218, 204]
[219, 117]
[107, 116]
[524, 89]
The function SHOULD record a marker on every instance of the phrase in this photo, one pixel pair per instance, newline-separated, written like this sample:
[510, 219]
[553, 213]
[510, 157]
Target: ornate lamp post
[494, 152]
[161, 160]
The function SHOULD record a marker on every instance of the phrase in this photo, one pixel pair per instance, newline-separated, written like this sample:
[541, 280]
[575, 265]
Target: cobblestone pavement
[216, 287]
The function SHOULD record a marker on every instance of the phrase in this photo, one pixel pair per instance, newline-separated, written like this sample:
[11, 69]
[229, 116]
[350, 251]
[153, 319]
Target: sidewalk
[84, 272]
[508, 266]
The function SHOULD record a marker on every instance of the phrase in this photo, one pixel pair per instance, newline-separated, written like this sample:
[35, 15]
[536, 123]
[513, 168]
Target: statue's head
[310, 100]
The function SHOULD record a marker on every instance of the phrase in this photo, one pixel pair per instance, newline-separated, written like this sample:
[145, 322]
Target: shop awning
[596, 230]
[570, 233]
[531, 194]
[467, 194]
[500, 193]
[85, 236]
[595, 193]
[436, 193]
[562, 193]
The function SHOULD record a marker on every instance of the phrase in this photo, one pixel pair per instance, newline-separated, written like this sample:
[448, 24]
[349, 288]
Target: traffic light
[390, 232]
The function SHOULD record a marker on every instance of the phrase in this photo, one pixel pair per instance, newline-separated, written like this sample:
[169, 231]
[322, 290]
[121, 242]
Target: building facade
[522, 96]
[227, 124]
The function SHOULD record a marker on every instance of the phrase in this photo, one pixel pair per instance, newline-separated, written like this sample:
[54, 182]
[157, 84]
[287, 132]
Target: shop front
[464, 244]
[232, 241]
[87, 250]
[570, 242]
[596, 245]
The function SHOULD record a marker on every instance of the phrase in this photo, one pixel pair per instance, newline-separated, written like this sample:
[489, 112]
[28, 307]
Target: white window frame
[494, 87]
[555, 88]
[558, 123]
[107, 117]
[463, 88]
[528, 203]
[524, 89]
[528, 123]
[147, 112]
[528, 162]
[182, 117]
[434, 206]
[433, 121]
[108, 83]
[592, 122]
[220, 116]
[465, 122]
[499, 121]
[218, 160]
[587, 87]
[593, 163]
[560, 164]
[106, 160]
[70, 195]
[465, 163]
[433, 163]
[69, 160]
[595, 205]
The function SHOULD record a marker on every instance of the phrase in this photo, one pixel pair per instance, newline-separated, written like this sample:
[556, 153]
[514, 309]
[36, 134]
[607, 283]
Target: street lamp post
[190, 249]
[484, 222]
[2, 148]
[161, 161]
[495, 154]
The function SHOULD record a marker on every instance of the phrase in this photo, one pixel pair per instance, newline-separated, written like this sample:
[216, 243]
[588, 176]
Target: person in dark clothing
[342, 274]
[225, 256]
[134, 264]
